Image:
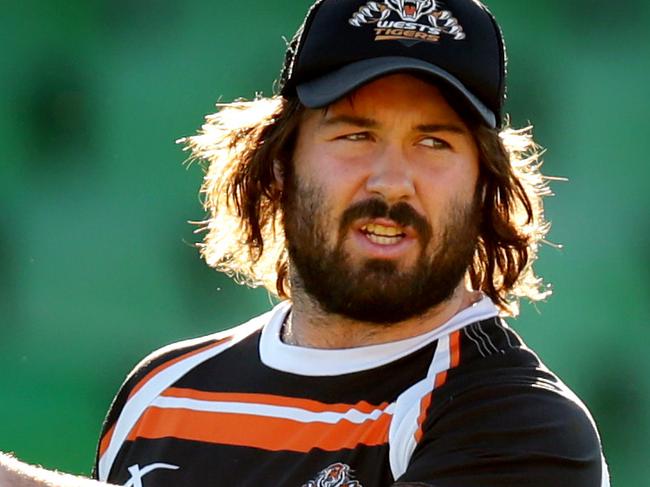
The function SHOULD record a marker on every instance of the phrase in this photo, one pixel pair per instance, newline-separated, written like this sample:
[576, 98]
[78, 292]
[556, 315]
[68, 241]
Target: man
[380, 197]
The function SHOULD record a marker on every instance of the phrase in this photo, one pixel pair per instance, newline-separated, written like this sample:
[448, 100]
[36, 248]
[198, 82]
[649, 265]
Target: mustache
[401, 213]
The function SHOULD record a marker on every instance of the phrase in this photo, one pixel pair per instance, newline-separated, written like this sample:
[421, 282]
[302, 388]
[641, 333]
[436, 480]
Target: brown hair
[240, 143]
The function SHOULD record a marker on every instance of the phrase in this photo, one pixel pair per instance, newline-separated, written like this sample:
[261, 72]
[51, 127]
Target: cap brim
[327, 89]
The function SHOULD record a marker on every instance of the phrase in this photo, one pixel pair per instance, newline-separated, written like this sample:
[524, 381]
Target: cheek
[441, 191]
[312, 206]
[337, 181]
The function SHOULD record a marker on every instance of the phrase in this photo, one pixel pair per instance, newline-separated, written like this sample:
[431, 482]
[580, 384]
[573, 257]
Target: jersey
[466, 404]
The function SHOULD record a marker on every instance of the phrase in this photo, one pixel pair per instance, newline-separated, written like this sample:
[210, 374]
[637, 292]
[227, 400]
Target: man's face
[380, 210]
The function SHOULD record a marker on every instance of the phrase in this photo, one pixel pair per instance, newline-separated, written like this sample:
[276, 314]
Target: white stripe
[480, 327]
[135, 406]
[478, 345]
[476, 335]
[500, 324]
[401, 436]
[271, 411]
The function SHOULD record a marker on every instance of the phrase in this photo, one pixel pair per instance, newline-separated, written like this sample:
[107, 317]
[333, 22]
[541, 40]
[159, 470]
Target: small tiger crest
[336, 475]
[408, 20]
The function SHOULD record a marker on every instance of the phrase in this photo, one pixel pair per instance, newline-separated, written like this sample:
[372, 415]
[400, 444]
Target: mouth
[371, 229]
[382, 239]
[383, 234]
[410, 9]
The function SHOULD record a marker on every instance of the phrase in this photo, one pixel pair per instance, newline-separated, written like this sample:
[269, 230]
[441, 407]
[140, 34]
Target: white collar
[330, 362]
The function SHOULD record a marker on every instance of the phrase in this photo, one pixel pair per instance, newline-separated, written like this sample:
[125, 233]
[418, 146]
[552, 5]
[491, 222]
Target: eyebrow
[364, 122]
[442, 127]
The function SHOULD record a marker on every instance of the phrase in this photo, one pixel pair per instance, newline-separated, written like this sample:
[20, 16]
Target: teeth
[382, 231]
[383, 240]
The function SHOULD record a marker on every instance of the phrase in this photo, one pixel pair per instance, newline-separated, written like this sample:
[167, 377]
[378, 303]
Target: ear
[278, 175]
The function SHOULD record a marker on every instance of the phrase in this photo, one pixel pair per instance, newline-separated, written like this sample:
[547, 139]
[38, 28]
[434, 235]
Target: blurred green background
[97, 266]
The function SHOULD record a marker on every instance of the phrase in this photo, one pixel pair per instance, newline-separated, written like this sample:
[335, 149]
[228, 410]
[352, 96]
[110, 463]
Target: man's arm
[14, 473]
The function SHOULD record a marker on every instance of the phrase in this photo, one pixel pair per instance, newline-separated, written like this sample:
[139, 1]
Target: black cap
[343, 44]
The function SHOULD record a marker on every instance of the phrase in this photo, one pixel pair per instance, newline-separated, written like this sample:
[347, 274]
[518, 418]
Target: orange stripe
[268, 399]
[106, 439]
[424, 405]
[455, 349]
[441, 378]
[165, 365]
[439, 381]
[273, 434]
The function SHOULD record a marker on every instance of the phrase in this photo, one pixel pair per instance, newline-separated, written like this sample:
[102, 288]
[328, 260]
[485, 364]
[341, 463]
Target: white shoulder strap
[401, 436]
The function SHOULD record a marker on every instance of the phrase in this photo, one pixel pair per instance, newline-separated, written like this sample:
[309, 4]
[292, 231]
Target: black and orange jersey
[467, 404]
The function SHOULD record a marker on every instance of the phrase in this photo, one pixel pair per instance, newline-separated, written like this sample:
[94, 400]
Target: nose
[391, 175]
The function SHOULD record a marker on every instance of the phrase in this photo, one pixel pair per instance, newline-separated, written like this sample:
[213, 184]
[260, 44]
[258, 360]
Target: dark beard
[376, 291]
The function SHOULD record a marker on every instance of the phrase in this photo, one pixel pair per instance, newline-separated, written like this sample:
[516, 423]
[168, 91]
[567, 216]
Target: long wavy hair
[239, 144]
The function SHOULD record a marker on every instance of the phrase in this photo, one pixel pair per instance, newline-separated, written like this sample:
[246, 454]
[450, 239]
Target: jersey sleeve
[508, 435]
[138, 376]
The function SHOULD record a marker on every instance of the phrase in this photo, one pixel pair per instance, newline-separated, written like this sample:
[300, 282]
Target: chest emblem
[336, 475]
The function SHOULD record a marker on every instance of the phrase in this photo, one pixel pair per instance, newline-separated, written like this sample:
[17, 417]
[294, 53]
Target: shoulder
[184, 351]
[535, 409]
[506, 387]
[168, 364]
[501, 413]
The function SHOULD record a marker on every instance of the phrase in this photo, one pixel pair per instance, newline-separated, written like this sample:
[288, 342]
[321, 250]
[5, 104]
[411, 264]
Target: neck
[310, 326]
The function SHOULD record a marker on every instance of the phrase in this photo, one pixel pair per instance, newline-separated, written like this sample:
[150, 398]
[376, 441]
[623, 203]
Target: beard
[375, 290]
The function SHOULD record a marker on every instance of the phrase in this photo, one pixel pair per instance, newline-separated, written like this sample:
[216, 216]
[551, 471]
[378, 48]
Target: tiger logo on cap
[409, 20]
[412, 9]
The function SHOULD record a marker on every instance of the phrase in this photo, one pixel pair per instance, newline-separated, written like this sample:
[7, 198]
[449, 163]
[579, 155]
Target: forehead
[394, 98]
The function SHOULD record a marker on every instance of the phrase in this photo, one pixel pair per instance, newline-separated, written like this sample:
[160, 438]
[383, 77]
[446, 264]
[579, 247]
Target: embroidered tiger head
[411, 10]
[336, 475]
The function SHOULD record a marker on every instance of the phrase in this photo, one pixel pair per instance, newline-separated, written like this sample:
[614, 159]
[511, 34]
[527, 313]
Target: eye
[354, 137]
[434, 143]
